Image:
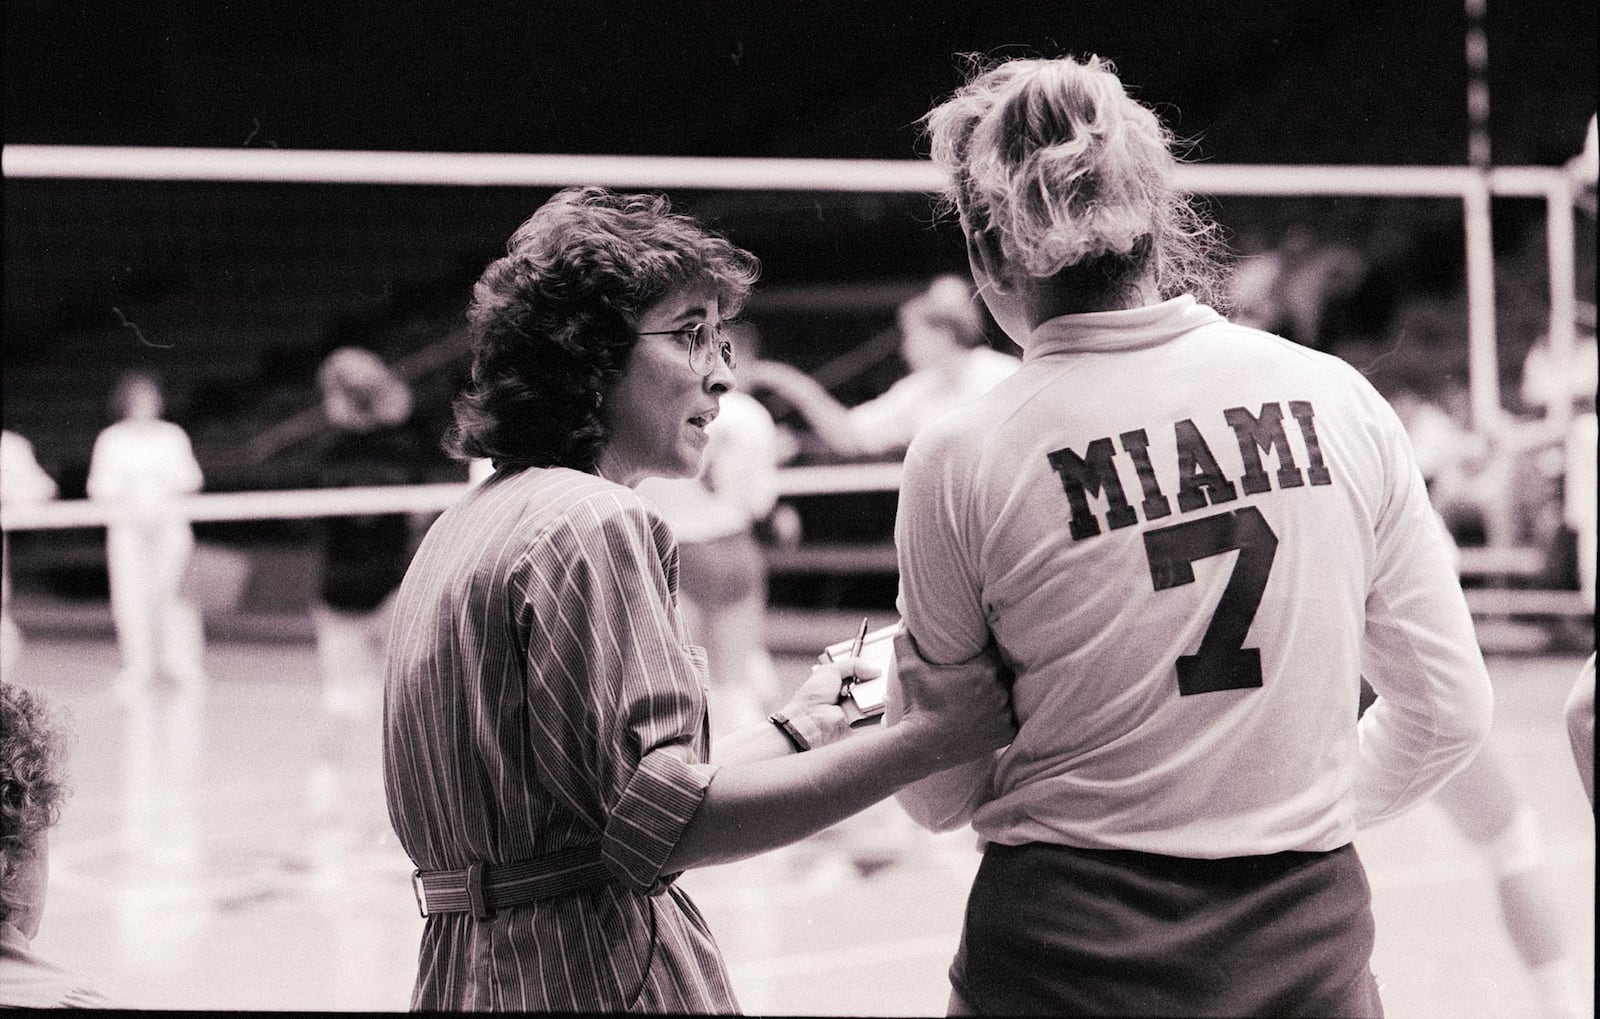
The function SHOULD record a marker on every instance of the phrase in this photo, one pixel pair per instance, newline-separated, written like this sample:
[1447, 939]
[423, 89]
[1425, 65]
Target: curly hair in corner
[552, 322]
[31, 789]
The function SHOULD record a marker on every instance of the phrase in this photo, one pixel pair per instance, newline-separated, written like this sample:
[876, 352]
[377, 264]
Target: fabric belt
[482, 888]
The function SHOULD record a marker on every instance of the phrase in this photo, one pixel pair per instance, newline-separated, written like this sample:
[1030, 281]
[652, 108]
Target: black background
[235, 291]
[1256, 80]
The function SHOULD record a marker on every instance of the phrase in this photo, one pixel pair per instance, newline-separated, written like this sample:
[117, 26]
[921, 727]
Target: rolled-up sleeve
[620, 737]
[648, 820]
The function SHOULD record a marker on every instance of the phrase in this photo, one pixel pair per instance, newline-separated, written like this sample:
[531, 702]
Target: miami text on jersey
[1199, 480]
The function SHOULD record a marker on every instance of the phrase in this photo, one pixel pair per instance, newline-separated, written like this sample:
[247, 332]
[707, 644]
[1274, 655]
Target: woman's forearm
[945, 716]
[753, 807]
[759, 741]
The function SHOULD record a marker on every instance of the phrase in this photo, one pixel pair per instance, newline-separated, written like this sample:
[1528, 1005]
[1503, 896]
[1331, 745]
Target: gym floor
[193, 869]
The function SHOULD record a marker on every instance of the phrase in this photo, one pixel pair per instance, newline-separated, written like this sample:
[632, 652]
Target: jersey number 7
[1222, 662]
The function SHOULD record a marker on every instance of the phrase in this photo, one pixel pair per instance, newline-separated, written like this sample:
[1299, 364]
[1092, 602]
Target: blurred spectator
[722, 577]
[22, 481]
[942, 342]
[141, 464]
[1546, 383]
[1579, 497]
[31, 793]
[364, 558]
[1481, 800]
[1544, 448]
[1254, 293]
[1464, 480]
[1289, 289]
[479, 470]
[1483, 804]
[1584, 168]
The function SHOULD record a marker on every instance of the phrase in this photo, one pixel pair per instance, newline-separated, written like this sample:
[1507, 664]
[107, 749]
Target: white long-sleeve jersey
[1189, 540]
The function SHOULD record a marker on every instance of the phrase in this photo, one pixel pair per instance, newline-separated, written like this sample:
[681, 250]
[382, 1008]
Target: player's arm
[947, 634]
[946, 799]
[1420, 654]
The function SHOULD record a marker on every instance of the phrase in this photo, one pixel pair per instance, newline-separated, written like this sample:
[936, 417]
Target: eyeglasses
[705, 344]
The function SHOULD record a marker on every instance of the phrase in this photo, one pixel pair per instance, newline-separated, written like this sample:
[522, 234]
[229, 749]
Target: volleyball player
[1189, 540]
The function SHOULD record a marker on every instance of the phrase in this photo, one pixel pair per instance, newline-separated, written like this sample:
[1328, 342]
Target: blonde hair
[1065, 168]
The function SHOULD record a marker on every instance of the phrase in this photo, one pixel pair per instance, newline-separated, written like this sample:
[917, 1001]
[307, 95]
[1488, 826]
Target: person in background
[1579, 496]
[722, 574]
[1579, 509]
[364, 557]
[31, 794]
[1584, 168]
[1289, 289]
[941, 341]
[1483, 804]
[139, 466]
[1188, 540]
[545, 736]
[22, 481]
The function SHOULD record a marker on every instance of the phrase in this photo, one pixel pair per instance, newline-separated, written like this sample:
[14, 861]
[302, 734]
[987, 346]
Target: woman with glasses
[545, 735]
[1189, 540]
[722, 570]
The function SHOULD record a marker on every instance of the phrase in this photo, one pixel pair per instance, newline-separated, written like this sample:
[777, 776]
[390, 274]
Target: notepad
[863, 700]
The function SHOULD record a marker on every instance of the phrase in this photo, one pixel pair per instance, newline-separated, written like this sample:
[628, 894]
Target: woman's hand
[815, 710]
[755, 803]
[957, 712]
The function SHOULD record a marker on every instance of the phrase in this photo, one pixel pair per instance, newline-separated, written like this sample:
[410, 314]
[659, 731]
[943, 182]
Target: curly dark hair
[31, 789]
[552, 323]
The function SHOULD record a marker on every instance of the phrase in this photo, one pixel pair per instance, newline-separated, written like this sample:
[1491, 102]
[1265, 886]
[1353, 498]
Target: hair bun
[1063, 166]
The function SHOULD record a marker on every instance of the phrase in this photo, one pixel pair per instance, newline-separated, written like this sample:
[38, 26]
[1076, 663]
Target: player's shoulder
[958, 438]
[1324, 370]
[988, 363]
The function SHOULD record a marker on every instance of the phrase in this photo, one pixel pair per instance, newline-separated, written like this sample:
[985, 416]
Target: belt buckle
[420, 892]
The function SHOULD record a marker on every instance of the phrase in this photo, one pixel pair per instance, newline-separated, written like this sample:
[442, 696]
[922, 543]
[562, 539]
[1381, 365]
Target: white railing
[821, 479]
[1473, 187]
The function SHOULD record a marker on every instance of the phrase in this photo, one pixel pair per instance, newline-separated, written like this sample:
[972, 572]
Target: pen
[855, 648]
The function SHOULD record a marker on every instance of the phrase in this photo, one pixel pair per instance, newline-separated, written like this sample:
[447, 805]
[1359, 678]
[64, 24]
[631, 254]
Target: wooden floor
[193, 870]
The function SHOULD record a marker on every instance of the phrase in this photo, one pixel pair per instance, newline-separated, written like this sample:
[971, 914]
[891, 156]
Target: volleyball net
[1473, 188]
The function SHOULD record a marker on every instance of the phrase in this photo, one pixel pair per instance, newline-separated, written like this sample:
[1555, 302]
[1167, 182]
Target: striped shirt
[539, 695]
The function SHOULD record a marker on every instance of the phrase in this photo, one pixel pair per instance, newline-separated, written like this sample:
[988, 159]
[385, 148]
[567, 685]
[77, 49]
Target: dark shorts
[1053, 930]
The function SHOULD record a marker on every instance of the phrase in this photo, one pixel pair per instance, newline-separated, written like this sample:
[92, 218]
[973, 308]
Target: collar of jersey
[1149, 326]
